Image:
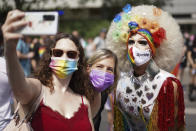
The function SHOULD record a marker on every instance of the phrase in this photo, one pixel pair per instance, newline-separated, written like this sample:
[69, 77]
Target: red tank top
[45, 119]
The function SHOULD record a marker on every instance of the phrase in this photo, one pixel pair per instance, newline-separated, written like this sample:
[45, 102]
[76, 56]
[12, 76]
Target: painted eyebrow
[143, 39]
[138, 39]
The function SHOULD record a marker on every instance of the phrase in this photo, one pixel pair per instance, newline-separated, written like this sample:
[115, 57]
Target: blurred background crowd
[89, 20]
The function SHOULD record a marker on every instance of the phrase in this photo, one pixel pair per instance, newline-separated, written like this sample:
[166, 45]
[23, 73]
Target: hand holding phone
[40, 23]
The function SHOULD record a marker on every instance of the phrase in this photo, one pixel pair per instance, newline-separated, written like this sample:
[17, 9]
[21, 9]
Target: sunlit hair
[101, 55]
[79, 81]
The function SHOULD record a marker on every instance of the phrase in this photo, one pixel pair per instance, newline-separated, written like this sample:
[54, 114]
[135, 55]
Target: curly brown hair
[79, 82]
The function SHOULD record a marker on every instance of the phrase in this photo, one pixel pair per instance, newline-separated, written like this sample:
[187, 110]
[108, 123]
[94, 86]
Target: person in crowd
[90, 48]
[183, 62]
[36, 58]
[6, 97]
[191, 39]
[43, 46]
[82, 41]
[192, 60]
[25, 54]
[39, 49]
[99, 41]
[102, 67]
[148, 43]
[62, 78]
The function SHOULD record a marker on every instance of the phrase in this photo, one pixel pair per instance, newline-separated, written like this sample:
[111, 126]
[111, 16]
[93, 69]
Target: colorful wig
[157, 26]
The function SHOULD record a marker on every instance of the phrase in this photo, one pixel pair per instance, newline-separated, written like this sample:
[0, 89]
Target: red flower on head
[158, 37]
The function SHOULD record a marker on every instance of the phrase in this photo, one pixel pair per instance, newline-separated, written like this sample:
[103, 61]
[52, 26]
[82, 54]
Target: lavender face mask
[101, 80]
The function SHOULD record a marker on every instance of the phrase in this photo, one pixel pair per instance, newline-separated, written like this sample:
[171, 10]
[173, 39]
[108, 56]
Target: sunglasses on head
[70, 54]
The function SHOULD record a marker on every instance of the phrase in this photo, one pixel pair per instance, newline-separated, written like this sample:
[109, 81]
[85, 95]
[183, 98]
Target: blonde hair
[103, 54]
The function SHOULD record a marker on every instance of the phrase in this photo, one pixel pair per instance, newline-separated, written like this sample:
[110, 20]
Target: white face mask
[141, 56]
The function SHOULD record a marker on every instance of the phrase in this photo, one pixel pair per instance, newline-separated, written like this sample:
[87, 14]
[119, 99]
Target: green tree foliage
[87, 28]
[22, 4]
[121, 3]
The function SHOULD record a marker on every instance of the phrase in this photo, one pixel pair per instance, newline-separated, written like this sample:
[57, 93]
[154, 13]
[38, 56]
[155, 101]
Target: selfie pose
[61, 80]
[102, 67]
[148, 43]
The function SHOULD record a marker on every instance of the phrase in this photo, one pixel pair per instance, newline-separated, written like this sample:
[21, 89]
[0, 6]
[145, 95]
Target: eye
[72, 54]
[110, 69]
[57, 52]
[131, 42]
[143, 42]
[99, 66]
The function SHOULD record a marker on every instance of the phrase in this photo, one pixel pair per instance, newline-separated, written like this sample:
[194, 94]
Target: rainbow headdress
[158, 27]
[135, 23]
[134, 28]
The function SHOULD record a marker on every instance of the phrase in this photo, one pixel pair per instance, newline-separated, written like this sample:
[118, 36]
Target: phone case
[40, 23]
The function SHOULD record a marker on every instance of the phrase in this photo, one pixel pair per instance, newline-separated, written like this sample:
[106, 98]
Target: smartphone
[40, 23]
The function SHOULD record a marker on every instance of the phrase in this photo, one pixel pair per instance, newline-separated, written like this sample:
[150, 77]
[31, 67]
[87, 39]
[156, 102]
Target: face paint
[63, 67]
[138, 57]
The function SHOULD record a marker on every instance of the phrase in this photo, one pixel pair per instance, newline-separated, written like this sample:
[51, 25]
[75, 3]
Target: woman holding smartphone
[61, 78]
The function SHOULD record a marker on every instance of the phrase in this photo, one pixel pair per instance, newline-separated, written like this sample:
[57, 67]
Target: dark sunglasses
[142, 42]
[70, 54]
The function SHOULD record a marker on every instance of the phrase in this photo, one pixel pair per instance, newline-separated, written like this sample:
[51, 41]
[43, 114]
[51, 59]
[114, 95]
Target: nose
[64, 55]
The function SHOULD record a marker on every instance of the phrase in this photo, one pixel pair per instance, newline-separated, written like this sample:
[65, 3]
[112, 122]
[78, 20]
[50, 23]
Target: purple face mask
[101, 80]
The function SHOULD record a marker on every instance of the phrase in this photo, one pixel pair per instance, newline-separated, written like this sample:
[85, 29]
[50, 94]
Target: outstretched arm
[25, 89]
